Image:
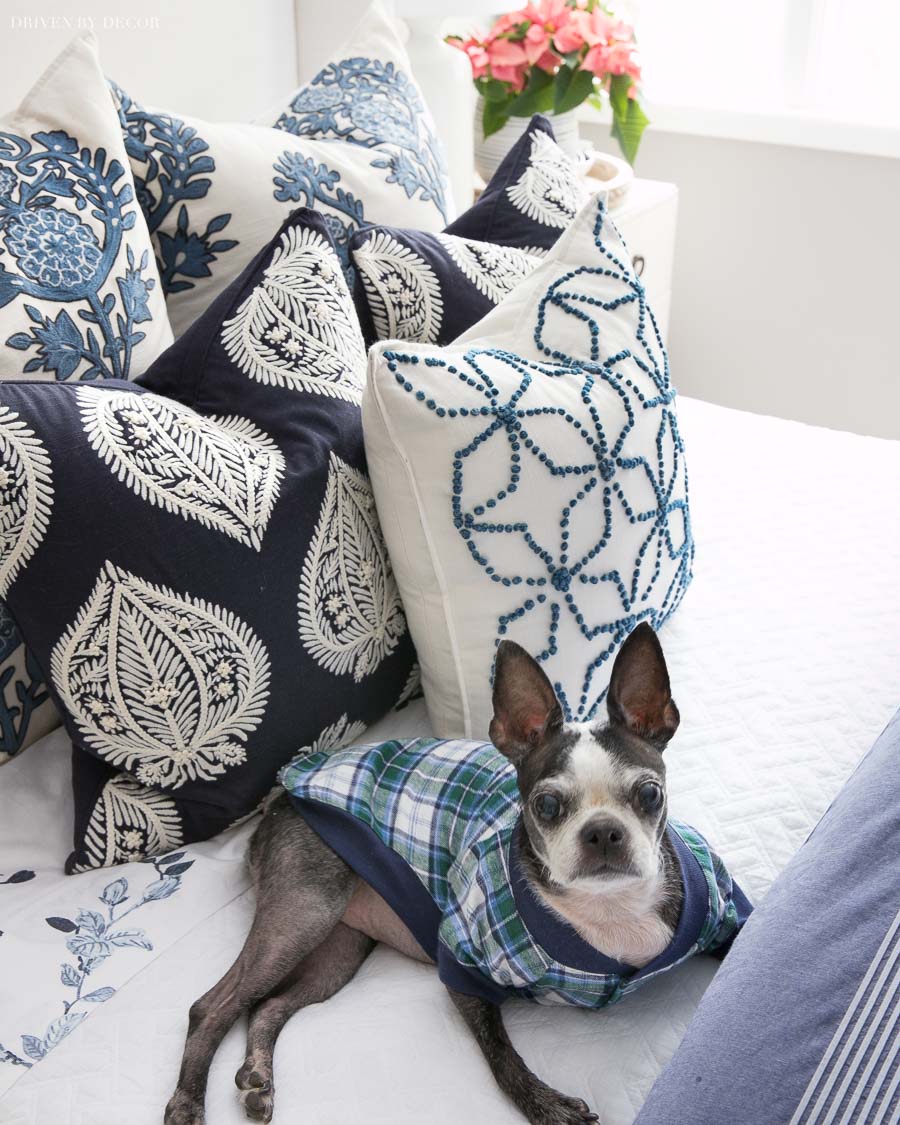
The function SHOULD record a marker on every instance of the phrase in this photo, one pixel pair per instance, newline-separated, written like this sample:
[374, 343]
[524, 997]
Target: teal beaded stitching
[504, 411]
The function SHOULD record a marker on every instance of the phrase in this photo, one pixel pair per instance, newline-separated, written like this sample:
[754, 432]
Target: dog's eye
[649, 796]
[546, 806]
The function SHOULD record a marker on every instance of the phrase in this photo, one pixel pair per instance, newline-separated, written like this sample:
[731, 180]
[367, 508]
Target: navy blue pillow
[531, 198]
[430, 288]
[227, 597]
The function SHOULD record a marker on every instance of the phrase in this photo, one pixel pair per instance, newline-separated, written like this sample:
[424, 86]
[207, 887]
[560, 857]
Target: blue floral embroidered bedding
[231, 599]
[357, 143]
[430, 288]
[531, 481]
[80, 297]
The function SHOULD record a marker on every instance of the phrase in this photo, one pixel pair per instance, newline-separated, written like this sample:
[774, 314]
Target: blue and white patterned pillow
[430, 288]
[80, 297]
[356, 143]
[531, 481]
[228, 596]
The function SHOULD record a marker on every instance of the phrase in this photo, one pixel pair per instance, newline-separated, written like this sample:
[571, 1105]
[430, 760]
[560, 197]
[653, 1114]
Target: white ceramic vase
[489, 152]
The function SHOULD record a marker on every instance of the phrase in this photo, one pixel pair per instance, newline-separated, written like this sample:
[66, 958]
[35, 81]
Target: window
[835, 59]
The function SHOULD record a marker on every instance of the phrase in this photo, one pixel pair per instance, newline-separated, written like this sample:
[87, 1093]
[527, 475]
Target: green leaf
[537, 97]
[629, 120]
[493, 90]
[494, 117]
[571, 88]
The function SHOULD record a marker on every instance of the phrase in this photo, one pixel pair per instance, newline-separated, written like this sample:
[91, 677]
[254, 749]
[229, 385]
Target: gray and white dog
[593, 849]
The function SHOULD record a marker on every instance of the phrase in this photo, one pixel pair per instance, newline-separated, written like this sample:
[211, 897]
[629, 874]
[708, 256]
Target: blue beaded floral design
[373, 104]
[63, 214]
[176, 169]
[523, 437]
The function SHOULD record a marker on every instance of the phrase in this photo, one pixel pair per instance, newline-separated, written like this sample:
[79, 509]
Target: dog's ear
[526, 709]
[639, 697]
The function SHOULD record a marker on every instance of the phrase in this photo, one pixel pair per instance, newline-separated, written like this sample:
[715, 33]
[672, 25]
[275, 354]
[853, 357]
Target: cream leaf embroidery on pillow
[550, 190]
[403, 291]
[26, 495]
[224, 472]
[351, 616]
[298, 327]
[164, 685]
[128, 822]
[494, 270]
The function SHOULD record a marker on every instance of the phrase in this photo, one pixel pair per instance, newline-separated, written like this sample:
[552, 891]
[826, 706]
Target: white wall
[786, 294]
[222, 60]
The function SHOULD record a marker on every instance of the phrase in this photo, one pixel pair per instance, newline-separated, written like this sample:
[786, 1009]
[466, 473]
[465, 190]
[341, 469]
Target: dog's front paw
[184, 1109]
[552, 1108]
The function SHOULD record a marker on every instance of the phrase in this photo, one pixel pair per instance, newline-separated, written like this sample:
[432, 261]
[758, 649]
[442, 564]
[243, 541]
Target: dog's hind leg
[302, 890]
[317, 978]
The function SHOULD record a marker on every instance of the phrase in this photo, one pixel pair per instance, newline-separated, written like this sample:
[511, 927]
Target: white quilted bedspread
[785, 662]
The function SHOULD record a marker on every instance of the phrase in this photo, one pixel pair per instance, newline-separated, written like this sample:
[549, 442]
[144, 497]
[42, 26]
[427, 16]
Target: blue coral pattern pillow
[430, 288]
[357, 143]
[230, 599]
[80, 298]
[531, 481]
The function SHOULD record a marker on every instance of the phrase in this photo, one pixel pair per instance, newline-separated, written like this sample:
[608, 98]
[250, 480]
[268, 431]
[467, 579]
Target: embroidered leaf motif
[66, 925]
[550, 190]
[99, 995]
[164, 685]
[298, 327]
[350, 612]
[412, 689]
[333, 737]
[128, 822]
[495, 270]
[224, 472]
[26, 495]
[33, 1047]
[402, 290]
[69, 975]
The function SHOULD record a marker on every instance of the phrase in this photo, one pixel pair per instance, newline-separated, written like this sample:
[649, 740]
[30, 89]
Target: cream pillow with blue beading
[80, 299]
[531, 481]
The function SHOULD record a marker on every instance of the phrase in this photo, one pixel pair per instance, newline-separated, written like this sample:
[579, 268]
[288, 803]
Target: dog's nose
[603, 836]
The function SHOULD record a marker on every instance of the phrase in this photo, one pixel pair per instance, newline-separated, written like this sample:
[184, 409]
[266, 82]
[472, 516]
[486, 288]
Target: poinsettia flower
[570, 37]
[477, 55]
[504, 52]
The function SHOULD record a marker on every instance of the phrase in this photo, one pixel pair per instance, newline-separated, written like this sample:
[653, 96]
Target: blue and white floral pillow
[356, 143]
[228, 595]
[531, 482]
[80, 298]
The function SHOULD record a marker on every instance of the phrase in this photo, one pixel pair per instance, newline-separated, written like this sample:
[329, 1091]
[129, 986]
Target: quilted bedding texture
[784, 660]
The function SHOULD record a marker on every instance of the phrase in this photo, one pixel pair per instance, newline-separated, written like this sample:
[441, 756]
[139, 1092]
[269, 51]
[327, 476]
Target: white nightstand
[647, 219]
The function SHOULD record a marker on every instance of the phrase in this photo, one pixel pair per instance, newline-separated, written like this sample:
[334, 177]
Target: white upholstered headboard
[232, 59]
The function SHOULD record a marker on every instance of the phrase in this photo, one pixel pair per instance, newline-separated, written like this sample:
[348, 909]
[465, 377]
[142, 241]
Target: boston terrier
[542, 864]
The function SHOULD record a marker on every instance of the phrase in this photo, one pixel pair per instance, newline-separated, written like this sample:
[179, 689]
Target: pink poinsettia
[550, 56]
[508, 61]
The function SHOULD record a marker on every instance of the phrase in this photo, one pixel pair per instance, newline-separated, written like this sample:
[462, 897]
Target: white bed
[785, 662]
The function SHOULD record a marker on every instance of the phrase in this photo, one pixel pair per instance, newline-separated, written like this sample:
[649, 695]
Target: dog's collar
[562, 942]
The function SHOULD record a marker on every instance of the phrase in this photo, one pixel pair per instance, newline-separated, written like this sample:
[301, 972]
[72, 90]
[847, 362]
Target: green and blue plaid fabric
[448, 810]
